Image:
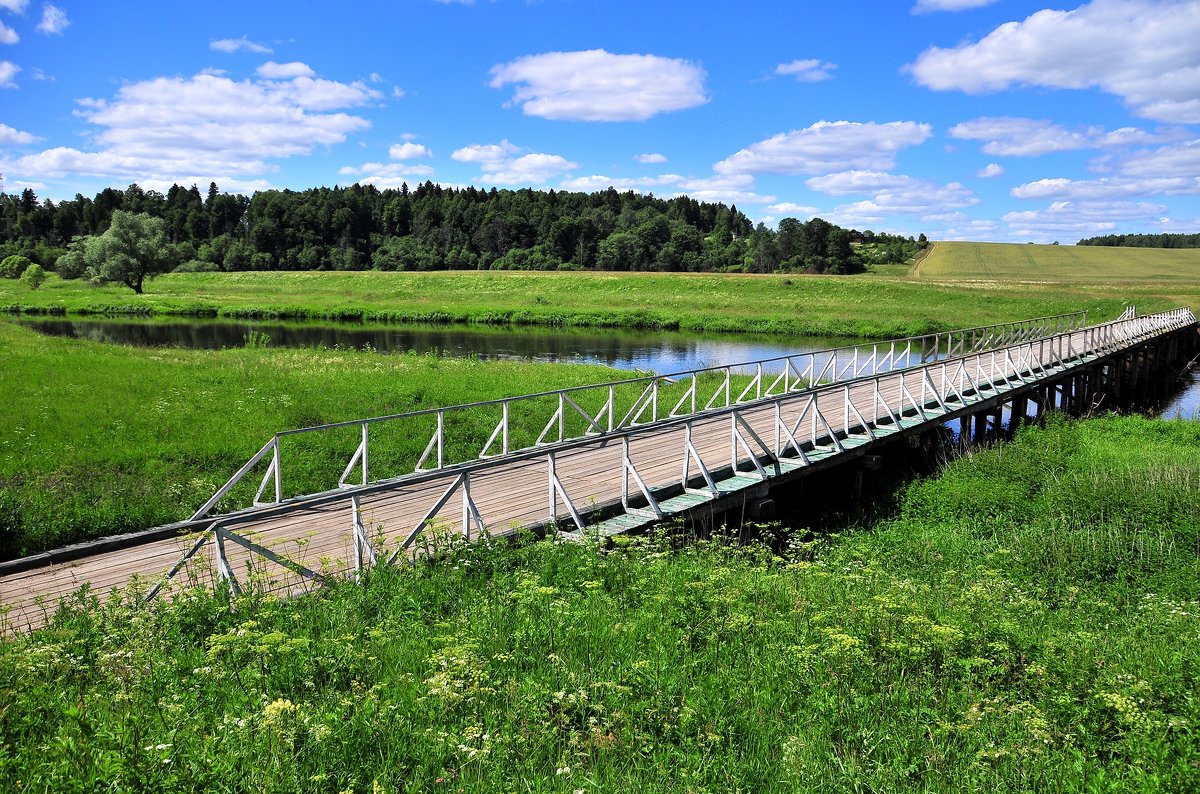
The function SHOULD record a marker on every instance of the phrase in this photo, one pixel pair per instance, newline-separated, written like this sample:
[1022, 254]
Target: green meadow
[865, 306]
[1027, 621]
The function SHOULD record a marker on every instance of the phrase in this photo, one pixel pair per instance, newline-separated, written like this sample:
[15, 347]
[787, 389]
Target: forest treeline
[434, 228]
[1145, 240]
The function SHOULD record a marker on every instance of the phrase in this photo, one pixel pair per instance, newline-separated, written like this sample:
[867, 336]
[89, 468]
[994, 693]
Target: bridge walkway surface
[619, 474]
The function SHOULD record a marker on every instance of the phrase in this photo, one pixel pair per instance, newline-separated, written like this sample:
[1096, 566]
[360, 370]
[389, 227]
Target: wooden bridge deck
[781, 435]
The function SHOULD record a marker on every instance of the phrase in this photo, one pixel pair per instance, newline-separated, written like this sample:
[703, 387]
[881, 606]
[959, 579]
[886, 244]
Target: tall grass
[947, 649]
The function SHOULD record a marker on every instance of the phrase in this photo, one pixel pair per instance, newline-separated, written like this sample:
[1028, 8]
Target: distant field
[1060, 263]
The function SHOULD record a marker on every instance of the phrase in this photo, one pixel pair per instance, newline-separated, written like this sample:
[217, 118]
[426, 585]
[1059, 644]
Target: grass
[1045, 642]
[878, 306]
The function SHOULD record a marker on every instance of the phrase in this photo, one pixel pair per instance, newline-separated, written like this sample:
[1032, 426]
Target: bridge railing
[763, 435]
[382, 447]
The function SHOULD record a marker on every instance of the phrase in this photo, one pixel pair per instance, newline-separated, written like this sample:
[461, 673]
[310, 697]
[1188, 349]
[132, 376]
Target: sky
[990, 120]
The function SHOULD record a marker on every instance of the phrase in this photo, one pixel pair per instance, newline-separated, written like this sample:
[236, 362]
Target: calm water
[646, 351]
[1185, 404]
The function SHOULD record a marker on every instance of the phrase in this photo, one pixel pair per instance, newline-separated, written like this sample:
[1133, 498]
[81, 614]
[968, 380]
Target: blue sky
[963, 119]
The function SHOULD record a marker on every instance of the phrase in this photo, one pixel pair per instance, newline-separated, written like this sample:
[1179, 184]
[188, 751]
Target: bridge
[600, 460]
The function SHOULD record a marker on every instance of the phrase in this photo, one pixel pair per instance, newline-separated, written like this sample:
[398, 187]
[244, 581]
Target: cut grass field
[866, 306]
[1027, 622]
[1061, 264]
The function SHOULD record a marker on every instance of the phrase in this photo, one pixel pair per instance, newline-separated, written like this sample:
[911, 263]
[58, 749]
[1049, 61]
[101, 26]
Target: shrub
[34, 276]
[13, 266]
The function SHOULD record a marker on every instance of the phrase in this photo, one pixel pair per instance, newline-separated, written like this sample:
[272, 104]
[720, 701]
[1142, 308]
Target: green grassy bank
[100, 439]
[1027, 622]
[867, 306]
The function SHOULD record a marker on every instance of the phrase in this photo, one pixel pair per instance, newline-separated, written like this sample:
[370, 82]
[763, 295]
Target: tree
[133, 249]
[33, 276]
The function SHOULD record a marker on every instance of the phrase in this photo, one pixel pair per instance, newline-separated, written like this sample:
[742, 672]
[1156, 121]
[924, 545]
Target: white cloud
[1073, 219]
[1175, 160]
[893, 194]
[8, 73]
[54, 20]
[15, 6]
[826, 147]
[11, 137]
[1170, 170]
[284, 71]
[485, 153]
[595, 85]
[792, 209]
[990, 170]
[846, 183]
[1019, 137]
[239, 45]
[388, 175]
[808, 70]
[398, 92]
[1107, 188]
[226, 184]
[735, 189]
[1143, 51]
[167, 127]
[8, 35]
[408, 151]
[650, 158]
[1010, 136]
[927, 6]
[500, 164]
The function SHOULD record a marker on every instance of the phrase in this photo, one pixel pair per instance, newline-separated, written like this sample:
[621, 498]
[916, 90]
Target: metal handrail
[834, 365]
[925, 393]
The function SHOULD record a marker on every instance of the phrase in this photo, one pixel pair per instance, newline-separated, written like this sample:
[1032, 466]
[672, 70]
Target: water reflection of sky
[646, 351]
[1186, 404]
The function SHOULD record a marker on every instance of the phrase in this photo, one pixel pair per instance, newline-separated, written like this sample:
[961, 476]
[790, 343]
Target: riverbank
[867, 306]
[1027, 621]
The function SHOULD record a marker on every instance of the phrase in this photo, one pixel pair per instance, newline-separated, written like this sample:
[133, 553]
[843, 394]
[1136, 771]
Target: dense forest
[434, 228]
[1145, 240]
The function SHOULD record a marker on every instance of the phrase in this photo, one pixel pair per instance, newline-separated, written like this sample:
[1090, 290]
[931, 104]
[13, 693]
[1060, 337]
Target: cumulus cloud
[595, 85]
[11, 137]
[8, 35]
[8, 74]
[650, 158]
[284, 71]
[927, 6]
[1165, 171]
[990, 170]
[388, 175]
[15, 6]
[239, 45]
[169, 127]
[54, 20]
[793, 210]
[892, 194]
[1143, 51]
[408, 151]
[1019, 137]
[501, 164]
[1078, 218]
[826, 147]
[1010, 136]
[808, 70]
[735, 189]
